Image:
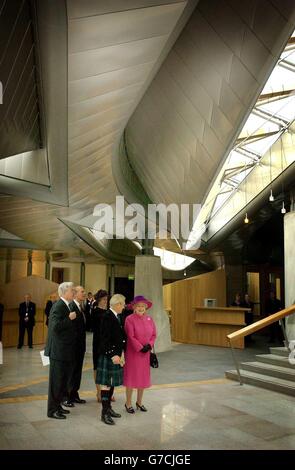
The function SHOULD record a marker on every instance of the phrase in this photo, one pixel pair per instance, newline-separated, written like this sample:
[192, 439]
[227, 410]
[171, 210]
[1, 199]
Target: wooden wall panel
[12, 294]
[11, 329]
[189, 293]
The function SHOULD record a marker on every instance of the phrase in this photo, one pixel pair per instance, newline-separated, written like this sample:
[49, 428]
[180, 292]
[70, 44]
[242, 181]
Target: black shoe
[113, 414]
[141, 407]
[31, 347]
[130, 409]
[68, 404]
[63, 411]
[57, 415]
[19, 347]
[107, 419]
[78, 400]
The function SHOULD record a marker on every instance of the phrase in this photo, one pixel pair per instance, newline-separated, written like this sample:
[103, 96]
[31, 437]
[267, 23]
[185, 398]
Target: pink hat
[140, 299]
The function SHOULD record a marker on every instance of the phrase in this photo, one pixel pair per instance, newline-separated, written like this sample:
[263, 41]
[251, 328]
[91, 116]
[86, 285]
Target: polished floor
[190, 406]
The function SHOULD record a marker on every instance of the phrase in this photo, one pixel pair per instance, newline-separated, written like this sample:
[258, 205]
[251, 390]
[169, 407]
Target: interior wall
[95, 277]
[72, 271]
[2, 270]
[18, 269]
[183, 296]
[38, 268]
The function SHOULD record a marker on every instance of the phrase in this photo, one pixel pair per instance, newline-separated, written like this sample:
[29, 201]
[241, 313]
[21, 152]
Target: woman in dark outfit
[98, 310]
[111, 356]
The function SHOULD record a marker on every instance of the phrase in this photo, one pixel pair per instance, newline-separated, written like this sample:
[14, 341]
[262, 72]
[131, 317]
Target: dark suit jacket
[80, 329]
[61, 333]
[112, 336]
[31, 311]
[47, 310]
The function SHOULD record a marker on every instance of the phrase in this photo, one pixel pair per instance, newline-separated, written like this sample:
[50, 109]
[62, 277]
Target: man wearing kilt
[111, 356]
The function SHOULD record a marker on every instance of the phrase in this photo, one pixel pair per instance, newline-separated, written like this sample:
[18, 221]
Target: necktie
[80, 308]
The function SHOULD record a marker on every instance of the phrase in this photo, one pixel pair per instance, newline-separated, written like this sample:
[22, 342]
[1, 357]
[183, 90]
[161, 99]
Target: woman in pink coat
[141, 335]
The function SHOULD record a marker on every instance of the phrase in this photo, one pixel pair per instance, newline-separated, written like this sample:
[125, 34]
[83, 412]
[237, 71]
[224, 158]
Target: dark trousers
[75, 380]
[276, 333]
[21, 336]
[59, 377]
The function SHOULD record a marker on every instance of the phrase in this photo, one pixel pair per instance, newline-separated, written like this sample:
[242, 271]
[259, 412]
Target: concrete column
[289, 231]
[112, 284]
[30, 264]
[148, 282]
[47, 266]
[8, 265]
[82, 274]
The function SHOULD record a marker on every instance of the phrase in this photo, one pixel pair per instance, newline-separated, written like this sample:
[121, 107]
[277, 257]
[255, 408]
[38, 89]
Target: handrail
[247, 330]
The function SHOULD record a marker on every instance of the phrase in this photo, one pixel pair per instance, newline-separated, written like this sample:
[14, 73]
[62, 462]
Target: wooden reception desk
[214, 323]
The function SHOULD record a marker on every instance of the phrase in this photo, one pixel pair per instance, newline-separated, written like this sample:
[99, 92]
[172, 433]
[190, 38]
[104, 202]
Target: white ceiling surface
[111, 56]
[192, 112]
[186, 119]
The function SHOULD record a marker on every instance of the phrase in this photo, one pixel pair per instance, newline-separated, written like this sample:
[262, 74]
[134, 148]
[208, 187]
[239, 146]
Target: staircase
[272, 371]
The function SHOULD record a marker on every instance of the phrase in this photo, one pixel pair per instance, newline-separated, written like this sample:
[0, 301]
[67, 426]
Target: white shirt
[66, 302]
[115, 313]
[80, 308]
[78, 305]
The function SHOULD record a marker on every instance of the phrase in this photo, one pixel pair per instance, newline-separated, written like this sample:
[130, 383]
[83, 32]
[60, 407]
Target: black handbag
[154, 360]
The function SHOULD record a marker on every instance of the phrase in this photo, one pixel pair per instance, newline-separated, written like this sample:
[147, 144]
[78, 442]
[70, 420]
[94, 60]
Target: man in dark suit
[60, 349]
[111, 358]
[274, 305]
[80, 346]
[87, 310]
[48, 307]
[26, 312]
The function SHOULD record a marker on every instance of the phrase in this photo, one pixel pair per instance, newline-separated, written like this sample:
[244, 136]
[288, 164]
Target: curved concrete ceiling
[180, 131]
[197, 103]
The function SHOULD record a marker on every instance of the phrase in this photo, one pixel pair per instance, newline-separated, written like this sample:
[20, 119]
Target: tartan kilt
[108, 373]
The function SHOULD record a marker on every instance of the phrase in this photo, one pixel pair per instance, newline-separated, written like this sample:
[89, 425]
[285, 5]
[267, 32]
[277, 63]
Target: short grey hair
[117, 299]
[62, 288]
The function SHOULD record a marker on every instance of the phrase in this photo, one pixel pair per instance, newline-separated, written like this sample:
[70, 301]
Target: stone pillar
[112, 283]
[8, 265]
[82, 274]
[30, 264]
[148, 282]
[289, 231]
[47, 266]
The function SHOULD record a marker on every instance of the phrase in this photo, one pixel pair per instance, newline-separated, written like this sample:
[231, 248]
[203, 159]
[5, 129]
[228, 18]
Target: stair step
[281, 351]
[260, 380]
[270, 370]
[275, 360]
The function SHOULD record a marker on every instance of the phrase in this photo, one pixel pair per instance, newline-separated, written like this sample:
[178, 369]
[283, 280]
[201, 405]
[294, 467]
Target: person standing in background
[50, 302]
[237, 302]
[274, 305]
[26, 312]
[87, 310]
[247, 303]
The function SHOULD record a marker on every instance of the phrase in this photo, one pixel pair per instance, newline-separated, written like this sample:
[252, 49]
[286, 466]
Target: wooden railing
[247, 330]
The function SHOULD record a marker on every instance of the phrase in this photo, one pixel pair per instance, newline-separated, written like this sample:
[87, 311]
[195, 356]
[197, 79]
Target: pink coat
[140, 330]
